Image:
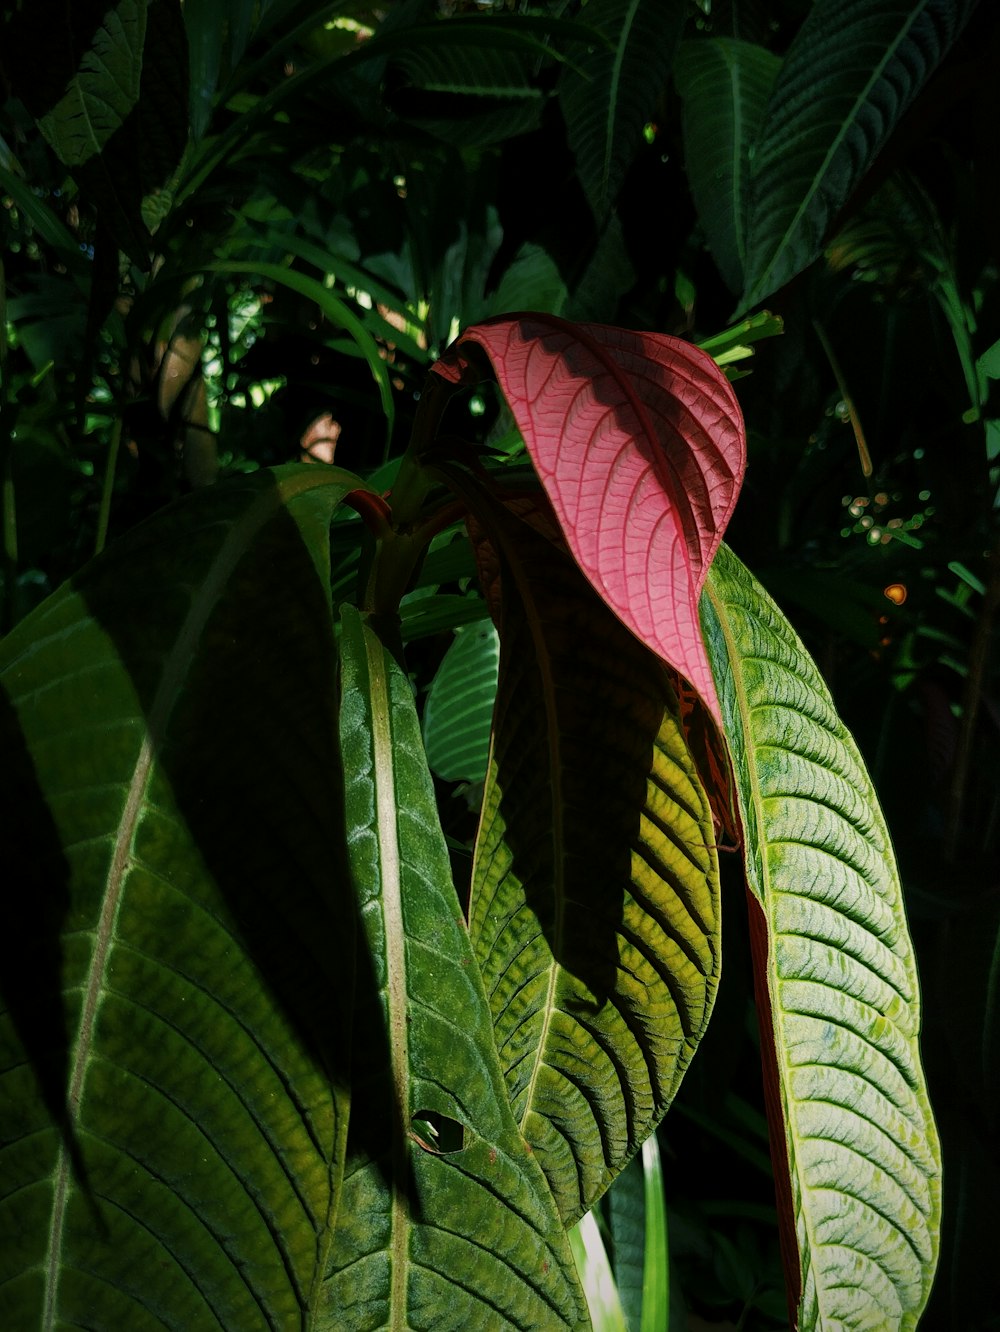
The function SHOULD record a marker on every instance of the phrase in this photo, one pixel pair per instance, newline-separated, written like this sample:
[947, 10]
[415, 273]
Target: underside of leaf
[594, 912]
[175, 1033]
[638, 440]
[854, 1130]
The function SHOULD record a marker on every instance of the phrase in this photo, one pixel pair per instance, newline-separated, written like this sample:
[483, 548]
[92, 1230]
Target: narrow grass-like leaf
[725, 85]
[853, 1139]
[598, 1279]
[637, 1222]
[174, 1041]
[849, 75]
[458, 714]
[446, 1221]
[594, 911]
[611, 90]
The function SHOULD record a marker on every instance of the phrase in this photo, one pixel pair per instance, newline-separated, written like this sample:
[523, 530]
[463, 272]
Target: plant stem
[108, 486]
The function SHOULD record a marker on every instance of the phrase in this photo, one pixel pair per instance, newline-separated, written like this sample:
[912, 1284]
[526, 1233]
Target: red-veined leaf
[639, 443]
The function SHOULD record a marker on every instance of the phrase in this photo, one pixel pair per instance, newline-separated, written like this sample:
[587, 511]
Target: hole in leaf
[437, 1133]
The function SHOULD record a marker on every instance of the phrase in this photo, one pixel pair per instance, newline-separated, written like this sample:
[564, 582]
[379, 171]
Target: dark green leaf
[725, 85]
[458, 714]
[175, 1033]
[611, 91]
[851, 72]
[445, 1221]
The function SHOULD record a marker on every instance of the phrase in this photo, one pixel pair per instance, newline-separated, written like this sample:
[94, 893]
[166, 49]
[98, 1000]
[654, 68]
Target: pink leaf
[639, 442]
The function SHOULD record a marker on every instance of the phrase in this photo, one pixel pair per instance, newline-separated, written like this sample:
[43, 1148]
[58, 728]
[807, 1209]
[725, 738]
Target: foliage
[264, 1064]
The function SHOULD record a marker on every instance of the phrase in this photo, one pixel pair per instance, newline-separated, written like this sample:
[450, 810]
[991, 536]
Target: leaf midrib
[176, 669]
[384, 777]
[755, 801]
[846, 124]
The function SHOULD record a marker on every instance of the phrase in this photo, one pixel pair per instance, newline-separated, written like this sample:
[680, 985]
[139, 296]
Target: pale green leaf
[594, 910]
[851, 72]
[446, 1221]
[724, 84]
[596, 1275]
[836, 972]
[103, 91]
[174, 1040]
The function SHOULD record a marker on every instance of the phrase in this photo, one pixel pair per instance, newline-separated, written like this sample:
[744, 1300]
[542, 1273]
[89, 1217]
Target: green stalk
[108, 487]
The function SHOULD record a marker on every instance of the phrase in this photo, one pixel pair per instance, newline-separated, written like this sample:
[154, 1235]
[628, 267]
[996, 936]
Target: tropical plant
[292, 1036]
[270, 1057]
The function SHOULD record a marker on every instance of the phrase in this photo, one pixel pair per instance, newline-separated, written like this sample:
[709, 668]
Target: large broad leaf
[850, 74]
[611, 91]
[725, 85]
[446, 1221]
[594, 911]
[853, 1139]
[174, 1041]
[639, 442]
[103, 89]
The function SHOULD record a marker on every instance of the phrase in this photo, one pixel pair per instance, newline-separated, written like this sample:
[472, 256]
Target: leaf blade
[724, 84]
[611, 91]
[417, 1223]
[597, 938]
[639, 442]
[174, 1129]
[837, 973]
[832, 110]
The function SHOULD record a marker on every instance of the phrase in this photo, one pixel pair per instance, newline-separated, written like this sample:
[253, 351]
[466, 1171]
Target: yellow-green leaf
[594, 913]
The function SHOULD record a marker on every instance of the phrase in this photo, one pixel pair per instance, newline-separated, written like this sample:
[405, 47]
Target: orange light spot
[896, 592]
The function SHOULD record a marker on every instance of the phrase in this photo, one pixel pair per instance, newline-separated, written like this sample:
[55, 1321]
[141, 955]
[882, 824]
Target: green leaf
[174, 1041]
[104, 88]
[725, 84]
[458, 715]
[837, 984]
[594, 911]
[656, 1249]
[532, 282]
[851, 72]
[598, 1279]
[637, 1220]
[609, 94]
[458, 1229]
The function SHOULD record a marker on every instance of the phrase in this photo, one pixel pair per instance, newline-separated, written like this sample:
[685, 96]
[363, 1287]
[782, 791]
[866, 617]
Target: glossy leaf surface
[851, 72]
[176, 1009]
[836, 979]
[594, 912]
[638, 441]
[610, 91]
[725, 84]
[445, 1221]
